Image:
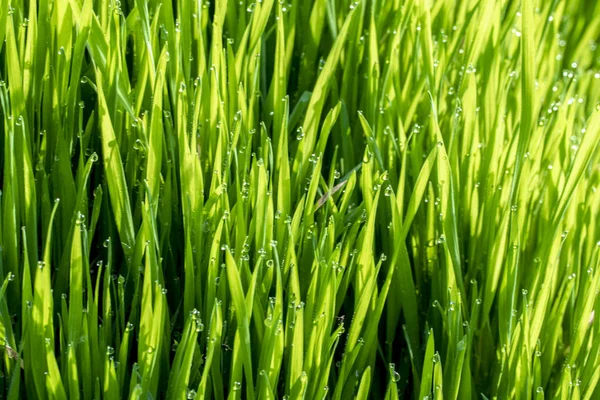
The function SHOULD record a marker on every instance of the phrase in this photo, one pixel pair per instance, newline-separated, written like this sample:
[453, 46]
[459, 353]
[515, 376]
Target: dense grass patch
[299, 199]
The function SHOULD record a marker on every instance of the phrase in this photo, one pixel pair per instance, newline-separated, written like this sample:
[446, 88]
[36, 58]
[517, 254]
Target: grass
[299, 199]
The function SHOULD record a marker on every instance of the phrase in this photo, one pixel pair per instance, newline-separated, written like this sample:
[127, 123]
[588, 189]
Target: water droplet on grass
[393, 373]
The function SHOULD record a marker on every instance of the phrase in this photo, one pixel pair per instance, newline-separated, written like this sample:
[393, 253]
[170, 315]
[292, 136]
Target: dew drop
[393, 373]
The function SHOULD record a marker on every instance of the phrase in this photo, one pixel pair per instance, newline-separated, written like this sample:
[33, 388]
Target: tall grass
[300, 199]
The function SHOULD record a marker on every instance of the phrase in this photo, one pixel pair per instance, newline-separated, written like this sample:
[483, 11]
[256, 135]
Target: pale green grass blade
[111, 157]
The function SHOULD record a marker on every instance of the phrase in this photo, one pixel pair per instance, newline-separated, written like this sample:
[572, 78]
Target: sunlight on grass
[295, 199]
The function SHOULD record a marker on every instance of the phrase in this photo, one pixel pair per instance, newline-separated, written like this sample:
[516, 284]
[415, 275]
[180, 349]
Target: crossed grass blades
[300, 199]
